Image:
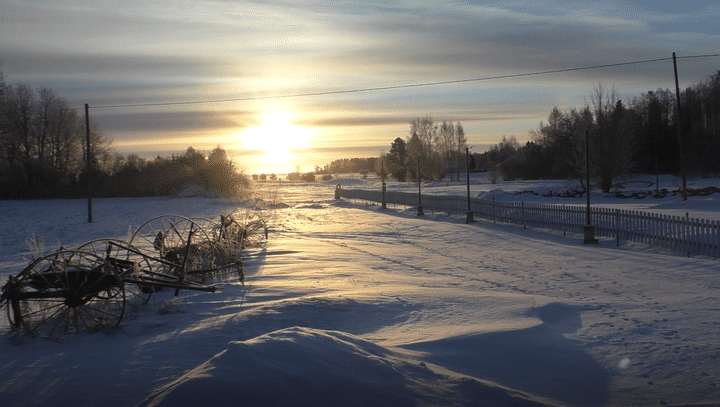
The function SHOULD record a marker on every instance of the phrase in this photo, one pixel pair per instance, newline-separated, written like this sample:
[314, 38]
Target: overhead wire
[394, 87]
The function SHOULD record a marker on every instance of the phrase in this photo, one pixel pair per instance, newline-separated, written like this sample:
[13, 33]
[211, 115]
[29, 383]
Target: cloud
[344, 121]
[172, 121]
[328, 49]
[108, 79]
[489, 40]
[342, 151]
[374, 121]
[37, 64]
[109, 53]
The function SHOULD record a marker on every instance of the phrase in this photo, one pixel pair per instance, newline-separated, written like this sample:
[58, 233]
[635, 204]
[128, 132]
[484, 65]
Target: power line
[415, 85]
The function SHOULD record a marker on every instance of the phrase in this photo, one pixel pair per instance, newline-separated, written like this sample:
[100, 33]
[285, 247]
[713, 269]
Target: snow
[351, 304]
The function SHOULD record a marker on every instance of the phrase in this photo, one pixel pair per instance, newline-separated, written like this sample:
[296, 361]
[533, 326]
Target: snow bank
[310, 367]
[355, 305]
[192, 191]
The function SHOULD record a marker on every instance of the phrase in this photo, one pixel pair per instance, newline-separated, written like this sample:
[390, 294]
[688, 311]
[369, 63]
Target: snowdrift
[351, 304]
[311, 367]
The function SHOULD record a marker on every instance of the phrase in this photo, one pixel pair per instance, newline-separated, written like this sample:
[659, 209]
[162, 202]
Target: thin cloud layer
[166, 52]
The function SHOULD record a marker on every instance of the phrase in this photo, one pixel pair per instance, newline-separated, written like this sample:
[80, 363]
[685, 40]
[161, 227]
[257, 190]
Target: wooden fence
[676, 233]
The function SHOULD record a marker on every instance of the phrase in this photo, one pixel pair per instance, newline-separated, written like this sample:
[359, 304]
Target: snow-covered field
[355, 305]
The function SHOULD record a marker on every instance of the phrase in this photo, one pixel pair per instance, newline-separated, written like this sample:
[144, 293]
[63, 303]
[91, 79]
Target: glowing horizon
[277, 139]
[205, 75]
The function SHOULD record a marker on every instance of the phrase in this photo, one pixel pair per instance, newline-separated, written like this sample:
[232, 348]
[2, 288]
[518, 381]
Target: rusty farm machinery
[90, 287]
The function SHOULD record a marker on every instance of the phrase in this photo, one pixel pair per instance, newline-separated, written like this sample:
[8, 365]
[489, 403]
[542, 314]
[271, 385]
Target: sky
[285, 85]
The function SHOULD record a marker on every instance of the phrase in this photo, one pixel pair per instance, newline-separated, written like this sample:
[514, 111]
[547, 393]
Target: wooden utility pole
[384, 185]
[469, 214]
[680, 134]
[420, 210]
[589, 229]
[88, 163]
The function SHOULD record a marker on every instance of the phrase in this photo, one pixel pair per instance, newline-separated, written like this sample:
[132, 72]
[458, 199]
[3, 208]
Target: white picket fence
[676, 233]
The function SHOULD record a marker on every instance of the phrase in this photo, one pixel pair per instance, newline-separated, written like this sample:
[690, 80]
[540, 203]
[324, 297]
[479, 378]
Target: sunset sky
[246, 63]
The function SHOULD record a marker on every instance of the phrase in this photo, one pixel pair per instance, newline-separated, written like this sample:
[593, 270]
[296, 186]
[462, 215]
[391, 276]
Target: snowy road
[533, 311]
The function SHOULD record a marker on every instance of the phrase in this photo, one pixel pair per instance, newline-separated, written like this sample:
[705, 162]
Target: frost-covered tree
[423, 145]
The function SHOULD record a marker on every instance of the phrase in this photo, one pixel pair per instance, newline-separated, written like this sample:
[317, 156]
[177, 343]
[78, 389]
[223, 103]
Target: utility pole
[384, 186]
[681, 136]
[420, 212]
[88, 163]
[589, 229]
[469, 215]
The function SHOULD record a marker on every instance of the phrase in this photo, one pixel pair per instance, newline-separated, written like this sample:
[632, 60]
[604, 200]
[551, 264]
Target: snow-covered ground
[355, 305]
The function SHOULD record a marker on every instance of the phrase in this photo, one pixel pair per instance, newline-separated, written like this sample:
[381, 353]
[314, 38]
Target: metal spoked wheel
[181, 247]
[129, 262]
[246, 229]
[66, 292]
[208, 225]
[256, 234]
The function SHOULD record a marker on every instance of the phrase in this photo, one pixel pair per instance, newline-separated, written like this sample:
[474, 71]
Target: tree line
[364, 165]
[432, 151]
[133, 176]
[43, 155]
[640, 135]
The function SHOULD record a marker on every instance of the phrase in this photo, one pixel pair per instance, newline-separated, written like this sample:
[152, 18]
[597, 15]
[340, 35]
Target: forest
[641, 135]
[43, 145]
[432, 151]
[43, 148]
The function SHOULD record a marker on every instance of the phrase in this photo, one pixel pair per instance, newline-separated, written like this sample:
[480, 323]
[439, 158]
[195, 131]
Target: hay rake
[89, 288]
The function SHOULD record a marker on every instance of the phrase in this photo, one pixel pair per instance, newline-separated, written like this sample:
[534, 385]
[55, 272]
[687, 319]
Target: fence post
[617, 227]
[469, 214]
[384, 204]
[420, 211]
[88, 165]
[492, 209]
[679, 234]
[686, 233]
[713, 239]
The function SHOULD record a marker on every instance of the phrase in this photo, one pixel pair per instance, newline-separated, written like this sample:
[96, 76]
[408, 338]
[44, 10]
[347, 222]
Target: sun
[276, 138]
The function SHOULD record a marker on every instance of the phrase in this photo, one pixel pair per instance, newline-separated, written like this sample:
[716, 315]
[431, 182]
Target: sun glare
[277, 139]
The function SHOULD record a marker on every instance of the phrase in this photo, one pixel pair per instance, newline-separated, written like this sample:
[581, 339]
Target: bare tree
[426, 130]
[100, 147]
[20, 116]
[57, 133]
[423, 143]
[609, 146]
[446, 140]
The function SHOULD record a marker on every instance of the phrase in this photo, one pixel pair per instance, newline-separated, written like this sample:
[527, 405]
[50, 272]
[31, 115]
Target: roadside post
[384, 185]
[589, 230]
[420, 211]
[384, 204]
[88, 165]
[469, 214]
